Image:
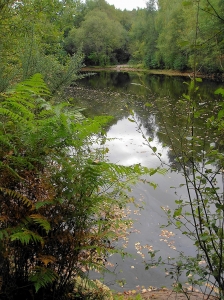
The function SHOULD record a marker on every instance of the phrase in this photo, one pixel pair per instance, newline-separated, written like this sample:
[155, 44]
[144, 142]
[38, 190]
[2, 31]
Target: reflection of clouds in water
[127, 146]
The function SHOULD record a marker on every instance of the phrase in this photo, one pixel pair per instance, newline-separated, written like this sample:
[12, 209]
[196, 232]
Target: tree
[32, 41]
[99, 37]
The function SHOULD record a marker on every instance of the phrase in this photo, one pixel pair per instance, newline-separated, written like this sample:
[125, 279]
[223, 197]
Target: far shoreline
[133, 68]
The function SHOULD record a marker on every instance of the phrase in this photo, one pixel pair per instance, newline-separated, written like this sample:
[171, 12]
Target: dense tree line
[184, 31]
[41, 36]
[165, 35]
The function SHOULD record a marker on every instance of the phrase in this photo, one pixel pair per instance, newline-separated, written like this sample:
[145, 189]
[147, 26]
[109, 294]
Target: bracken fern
[60, 201]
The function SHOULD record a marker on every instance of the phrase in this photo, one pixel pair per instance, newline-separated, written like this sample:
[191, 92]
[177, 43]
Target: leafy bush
[61, 203]
[199, 216]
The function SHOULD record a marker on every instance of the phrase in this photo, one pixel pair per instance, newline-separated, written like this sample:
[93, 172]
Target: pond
[154, 101]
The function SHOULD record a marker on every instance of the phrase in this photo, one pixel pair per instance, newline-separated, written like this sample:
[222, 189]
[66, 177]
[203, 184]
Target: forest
[39, 36]
[62, 204]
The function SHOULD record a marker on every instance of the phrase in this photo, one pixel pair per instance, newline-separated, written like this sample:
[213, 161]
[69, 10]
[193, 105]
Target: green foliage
[25, 237]
[62, 204]
[38, 36]
[33, 42]
[137, 297]
[165, 38]
[199, 216]
[99, 37]
[42, 277]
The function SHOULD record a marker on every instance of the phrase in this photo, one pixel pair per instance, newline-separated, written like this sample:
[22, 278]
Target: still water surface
[117, 94]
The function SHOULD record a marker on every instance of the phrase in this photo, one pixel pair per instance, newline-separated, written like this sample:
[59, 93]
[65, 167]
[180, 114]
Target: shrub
[61, 203]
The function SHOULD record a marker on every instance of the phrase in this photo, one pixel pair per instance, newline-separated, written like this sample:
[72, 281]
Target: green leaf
[220, 206]
[41, 220]
[204, 237]
[154, 185]
[177, 212]
[221, 114]
[154, 149]
[131, 120]
[178, 224]
[220, 91]
[42, 277]
[178, 201]
[186, 96]
[27, 236]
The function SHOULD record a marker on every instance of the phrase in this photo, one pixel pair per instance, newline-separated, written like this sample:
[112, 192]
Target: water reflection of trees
[113, 94]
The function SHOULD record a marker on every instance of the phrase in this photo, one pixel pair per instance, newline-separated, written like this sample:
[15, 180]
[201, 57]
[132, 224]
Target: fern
[48, 157]
[4, 234]
[130, 172]
[40, 204]
[34, 86]
[20, 101]
[10, 170]
[27, 236]
[42, 277]
[13, 116]
[41, 221]
[15, 106]
[17, 195]
[5, 141]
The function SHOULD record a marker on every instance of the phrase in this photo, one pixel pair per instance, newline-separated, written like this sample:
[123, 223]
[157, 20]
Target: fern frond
[11, 171]
[17, 195]
[13, 116]
[26, 236]
[40, 204]
[46, 259]
[19, 108]
[4, 234]
[32, 86]
[133, 170]
[4, 141]
[41, 221]
[42, 276]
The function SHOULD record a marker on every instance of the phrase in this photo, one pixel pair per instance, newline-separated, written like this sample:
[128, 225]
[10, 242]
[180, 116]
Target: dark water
[154, 101]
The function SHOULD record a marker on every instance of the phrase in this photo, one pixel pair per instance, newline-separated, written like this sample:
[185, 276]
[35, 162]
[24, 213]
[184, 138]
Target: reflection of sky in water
[127, 146]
